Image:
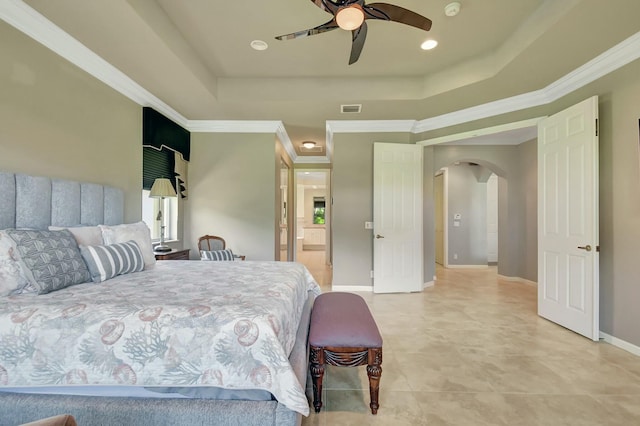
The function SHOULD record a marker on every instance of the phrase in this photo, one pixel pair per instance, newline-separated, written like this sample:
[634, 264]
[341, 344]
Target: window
[318, 210]
[150, 209]
[158, 163]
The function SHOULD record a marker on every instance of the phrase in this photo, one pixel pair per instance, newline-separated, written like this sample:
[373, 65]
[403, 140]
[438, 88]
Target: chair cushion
[343, 320]
[216, 255]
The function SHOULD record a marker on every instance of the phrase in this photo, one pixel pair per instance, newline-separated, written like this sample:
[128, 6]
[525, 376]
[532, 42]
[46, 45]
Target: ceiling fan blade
[326, 5]
[391, 12]
[327, 26]
[358, 37]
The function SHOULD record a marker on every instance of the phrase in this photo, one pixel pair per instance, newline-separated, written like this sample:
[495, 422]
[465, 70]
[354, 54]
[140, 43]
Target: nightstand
[172, 255]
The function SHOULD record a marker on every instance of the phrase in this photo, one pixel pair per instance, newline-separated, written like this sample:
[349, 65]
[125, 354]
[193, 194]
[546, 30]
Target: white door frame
[444, 171]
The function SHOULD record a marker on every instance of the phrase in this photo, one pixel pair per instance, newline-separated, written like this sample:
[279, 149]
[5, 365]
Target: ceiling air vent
[351, 109]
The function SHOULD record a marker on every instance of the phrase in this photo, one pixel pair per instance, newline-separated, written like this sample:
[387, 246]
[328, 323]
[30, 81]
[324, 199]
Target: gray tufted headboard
[36, 202]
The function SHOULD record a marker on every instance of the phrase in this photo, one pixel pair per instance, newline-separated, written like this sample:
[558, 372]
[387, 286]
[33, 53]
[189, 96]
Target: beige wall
[505, 161]
[620, 209]
[352, 188]
[232, 187]
[57, 121]
[467, 196]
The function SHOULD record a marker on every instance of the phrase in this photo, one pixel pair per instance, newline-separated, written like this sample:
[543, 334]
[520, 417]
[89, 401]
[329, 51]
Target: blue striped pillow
[216, 255]
[106, 262]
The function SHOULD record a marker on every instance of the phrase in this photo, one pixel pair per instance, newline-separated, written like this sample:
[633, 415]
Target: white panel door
[397, 217]
[568, 287]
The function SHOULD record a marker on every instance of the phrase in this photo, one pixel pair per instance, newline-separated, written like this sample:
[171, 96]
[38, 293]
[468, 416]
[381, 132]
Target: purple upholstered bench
[343, 333]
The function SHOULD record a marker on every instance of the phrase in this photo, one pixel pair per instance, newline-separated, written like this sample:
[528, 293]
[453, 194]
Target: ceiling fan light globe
[350, 17]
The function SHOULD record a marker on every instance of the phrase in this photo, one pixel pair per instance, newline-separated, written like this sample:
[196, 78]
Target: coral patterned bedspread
[180, 323]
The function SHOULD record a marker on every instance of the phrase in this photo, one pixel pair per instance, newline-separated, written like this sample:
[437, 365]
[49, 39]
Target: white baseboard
[450, 266]
[367, 288]
[622, 344]
[518, 279]
[429, 284]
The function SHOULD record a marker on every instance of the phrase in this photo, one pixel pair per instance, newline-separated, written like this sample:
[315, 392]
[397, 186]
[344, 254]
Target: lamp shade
[162, 188]
[350, 17]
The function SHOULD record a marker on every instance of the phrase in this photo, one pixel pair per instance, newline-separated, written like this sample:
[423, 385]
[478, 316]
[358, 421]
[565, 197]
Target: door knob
[587, 247]
[378, 236]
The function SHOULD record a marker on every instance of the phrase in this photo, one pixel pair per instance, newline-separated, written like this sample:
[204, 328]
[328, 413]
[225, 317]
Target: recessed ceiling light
[258, 45]
[429, 44]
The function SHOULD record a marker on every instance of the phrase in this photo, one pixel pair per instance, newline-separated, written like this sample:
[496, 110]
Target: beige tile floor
[472, 351]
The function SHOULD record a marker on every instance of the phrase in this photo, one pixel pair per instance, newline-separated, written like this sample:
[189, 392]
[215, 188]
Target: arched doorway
[466, 213]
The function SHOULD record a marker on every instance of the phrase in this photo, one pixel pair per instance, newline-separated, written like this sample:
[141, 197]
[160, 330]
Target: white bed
[179, 324]
[215, 342]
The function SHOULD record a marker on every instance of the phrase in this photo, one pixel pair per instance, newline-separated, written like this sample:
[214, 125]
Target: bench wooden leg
[317, 374]
[374, 371]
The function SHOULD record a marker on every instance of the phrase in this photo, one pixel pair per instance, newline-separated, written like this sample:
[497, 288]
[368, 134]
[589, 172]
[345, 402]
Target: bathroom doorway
[313, 222]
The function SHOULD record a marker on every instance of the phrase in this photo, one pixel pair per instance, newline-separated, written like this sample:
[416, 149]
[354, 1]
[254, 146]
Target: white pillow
[12, 279]
[84, 235]
[138, 232]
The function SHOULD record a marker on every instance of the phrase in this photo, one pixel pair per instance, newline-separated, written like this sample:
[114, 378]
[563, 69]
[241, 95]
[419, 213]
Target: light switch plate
[368, 225]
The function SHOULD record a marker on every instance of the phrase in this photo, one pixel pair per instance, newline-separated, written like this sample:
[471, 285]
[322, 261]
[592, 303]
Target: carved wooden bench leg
[374, 371]
[343, 333]
[317, 374]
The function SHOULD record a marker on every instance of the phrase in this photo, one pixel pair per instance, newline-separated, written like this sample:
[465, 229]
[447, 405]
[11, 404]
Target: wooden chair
[213, 243]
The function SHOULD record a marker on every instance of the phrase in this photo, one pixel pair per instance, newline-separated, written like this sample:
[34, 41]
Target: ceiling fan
[351, 15]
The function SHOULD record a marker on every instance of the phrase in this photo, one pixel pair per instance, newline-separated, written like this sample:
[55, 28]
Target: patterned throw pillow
[106, 262]
[216, 255]
[12, 280]
[50, 260]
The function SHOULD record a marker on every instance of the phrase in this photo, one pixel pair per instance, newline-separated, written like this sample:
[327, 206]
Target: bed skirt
[108, 411]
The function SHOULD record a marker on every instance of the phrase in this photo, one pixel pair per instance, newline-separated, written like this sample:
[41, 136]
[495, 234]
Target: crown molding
[283, 136]
[27, 20]
[532, 122]
[618, 56]
[359, 126]
[233, 126]
[245, 126]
